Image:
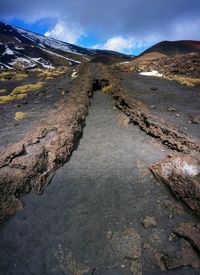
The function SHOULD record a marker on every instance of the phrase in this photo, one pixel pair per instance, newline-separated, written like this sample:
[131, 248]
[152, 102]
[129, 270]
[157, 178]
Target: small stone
[126, 244]
[154, 238]
[174, 208]
[194, 119]
[159, 260]
[149, 222]
[146, 245]
[136, 267]
[172, 237]
[170, 109]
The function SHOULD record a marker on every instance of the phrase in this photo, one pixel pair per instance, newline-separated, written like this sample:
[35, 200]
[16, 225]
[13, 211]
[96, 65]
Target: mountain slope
[169, 58]
[174, 47]
[21, 48]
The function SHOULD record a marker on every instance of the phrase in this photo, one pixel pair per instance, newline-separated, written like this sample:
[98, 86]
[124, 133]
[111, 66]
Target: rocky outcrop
[187, 65]
[153, 125]
[181, 173]
[190, 232]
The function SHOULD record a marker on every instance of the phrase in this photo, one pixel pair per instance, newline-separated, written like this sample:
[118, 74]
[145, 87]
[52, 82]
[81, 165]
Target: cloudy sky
[128, 26]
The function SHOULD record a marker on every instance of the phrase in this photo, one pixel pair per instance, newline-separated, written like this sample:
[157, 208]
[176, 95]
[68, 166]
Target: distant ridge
[174, 47]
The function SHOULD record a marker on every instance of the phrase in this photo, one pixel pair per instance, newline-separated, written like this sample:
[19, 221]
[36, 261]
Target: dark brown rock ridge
[181, 174]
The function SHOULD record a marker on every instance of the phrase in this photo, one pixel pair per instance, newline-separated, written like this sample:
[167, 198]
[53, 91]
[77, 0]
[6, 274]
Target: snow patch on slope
[8, 51]
[59, 55]
[48, 41]
[28, 62]
[151, 73]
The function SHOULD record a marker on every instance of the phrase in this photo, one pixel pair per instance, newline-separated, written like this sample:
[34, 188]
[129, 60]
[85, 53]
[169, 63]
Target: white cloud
[118, 44]
[125, 45]
[70, 33]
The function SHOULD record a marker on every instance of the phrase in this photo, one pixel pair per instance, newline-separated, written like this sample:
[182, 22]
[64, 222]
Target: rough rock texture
[187, 65]
[149, 222]
[189, 232]
[172, 258]
[127, 245]
[184, 252]
[181, 174]
[183, 64]
[30, 164]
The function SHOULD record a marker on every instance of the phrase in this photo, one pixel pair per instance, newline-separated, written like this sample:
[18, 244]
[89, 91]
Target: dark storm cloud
[136, 18]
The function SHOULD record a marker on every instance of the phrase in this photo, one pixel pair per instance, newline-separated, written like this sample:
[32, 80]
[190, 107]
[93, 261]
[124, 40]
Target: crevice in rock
[98, 84]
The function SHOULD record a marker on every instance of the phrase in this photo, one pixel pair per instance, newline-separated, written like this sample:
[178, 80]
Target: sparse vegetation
[12, 75]
[20, 76]
[188, 81]
[20, 115]
[107, 89]
[29, 87]
[51, 73]
[20, 92]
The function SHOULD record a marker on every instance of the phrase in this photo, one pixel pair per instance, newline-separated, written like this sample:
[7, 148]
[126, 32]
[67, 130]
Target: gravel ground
[103, 190]
[166, 99]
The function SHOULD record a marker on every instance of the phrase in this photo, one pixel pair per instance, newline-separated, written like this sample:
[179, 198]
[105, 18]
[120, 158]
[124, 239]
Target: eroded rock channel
[104, 212]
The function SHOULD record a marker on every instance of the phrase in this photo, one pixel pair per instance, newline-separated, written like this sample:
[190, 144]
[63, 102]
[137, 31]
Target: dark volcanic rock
[127, 245]
[149, 222]
[189, 232]
[173, 258]
[182, 175]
